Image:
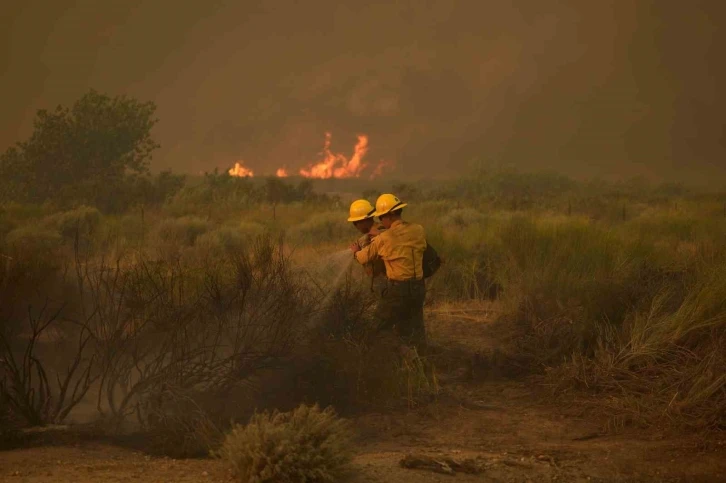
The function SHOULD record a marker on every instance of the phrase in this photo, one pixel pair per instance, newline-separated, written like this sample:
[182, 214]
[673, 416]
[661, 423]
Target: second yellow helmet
[360, 210]
[387, 203]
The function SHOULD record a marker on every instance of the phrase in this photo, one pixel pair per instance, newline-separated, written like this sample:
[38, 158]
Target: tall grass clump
[306, 444]
[667, 364]
[471, 250]
[563, 276]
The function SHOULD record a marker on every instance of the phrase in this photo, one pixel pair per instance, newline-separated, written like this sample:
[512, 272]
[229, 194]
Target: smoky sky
[631, 87]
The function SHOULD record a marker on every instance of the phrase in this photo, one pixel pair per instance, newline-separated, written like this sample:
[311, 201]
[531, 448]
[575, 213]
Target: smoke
[584, 87]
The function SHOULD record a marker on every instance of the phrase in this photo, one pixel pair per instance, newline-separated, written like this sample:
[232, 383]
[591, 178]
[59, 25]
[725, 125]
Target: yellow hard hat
[387, 203]
[360, 210]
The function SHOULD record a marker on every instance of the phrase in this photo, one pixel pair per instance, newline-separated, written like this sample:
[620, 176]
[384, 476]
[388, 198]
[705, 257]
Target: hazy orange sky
[587, 87]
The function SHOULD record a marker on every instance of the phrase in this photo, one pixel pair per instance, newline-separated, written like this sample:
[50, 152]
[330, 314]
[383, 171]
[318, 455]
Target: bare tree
[196, 327]
[25, 385]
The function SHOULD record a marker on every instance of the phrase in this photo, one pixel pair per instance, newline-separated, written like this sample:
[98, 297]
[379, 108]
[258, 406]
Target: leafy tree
[82, 154]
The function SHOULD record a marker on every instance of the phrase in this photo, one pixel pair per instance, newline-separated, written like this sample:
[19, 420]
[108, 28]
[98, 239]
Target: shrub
[204, 325]
[222, 240]
[119, 231]
[306, 444]
[41, 400]
[228, 240]
[83, 220]
[184, 230]
[322, 227]
[32, 240]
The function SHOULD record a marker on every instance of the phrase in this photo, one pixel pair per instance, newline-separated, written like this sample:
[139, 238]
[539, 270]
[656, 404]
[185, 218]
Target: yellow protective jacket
[401, 248]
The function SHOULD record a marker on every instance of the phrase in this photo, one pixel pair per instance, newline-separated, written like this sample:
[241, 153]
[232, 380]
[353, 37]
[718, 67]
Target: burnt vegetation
[171, 306]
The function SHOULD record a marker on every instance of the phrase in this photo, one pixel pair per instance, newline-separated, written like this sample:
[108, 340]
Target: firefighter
[401, 247]
[362, 216]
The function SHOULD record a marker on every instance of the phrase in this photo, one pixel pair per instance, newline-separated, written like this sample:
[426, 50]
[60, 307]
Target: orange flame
[240, 171]
[337, 165]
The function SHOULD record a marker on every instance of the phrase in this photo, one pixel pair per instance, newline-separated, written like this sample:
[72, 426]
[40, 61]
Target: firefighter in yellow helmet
[401, 247]
[362, 217]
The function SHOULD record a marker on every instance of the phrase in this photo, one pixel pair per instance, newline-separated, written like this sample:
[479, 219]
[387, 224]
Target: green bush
[306, 444]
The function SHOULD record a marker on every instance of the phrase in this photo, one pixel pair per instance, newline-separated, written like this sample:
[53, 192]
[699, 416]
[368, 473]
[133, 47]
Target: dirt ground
[511, 431]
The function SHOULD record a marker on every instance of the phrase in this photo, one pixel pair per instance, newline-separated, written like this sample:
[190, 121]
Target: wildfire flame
[240, 171]
[337, 165]
[333, 165]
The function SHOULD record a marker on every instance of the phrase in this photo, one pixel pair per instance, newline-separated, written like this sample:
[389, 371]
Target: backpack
[431, 261]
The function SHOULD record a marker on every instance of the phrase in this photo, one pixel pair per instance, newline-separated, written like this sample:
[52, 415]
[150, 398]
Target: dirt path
[518, 440]
[514, 434]
[515, 439]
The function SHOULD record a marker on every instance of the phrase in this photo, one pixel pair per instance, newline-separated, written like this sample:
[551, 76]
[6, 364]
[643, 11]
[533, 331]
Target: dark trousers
[401, 309]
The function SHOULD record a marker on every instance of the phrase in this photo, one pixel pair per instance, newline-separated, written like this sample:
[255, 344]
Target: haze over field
[610, 88]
